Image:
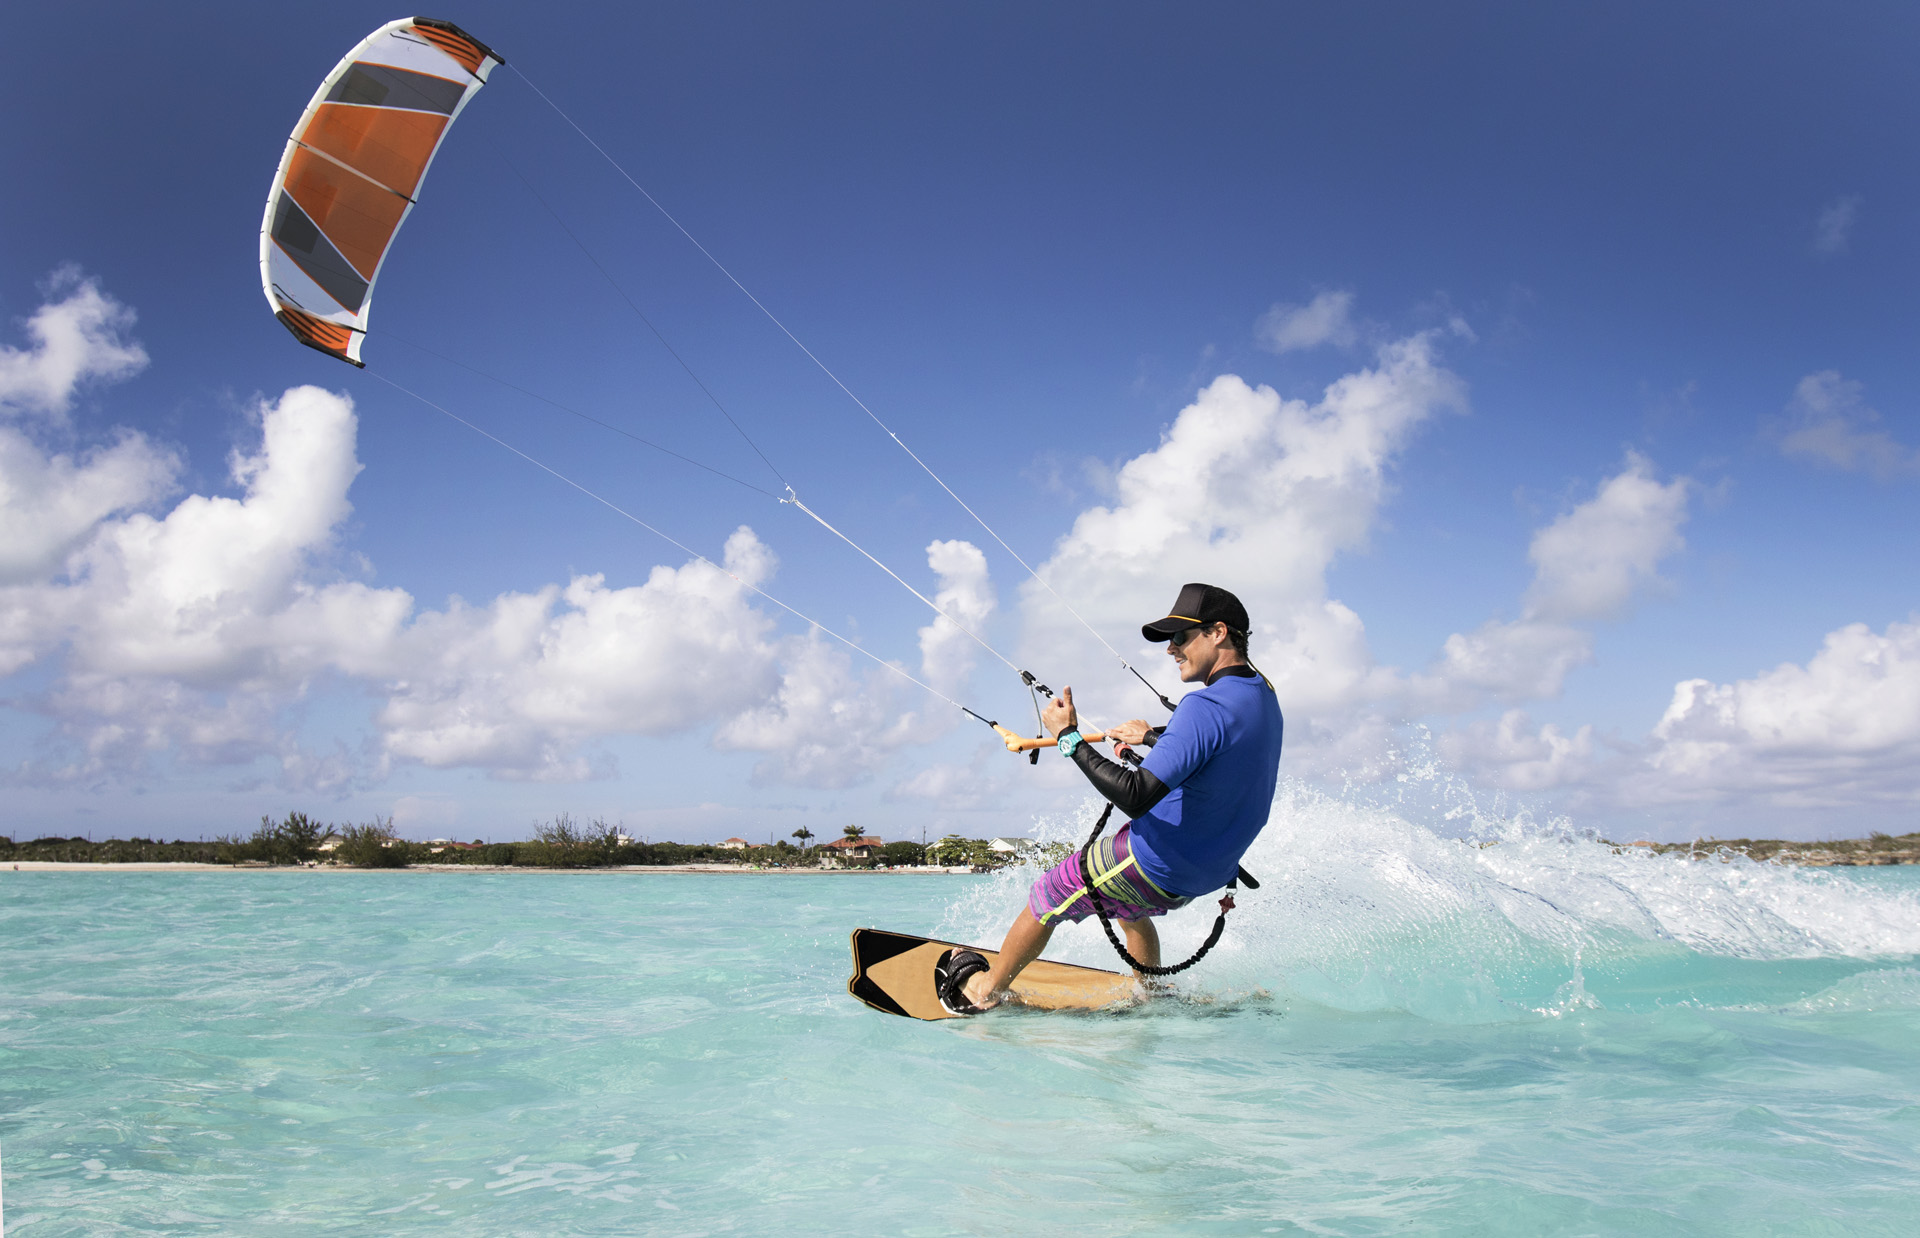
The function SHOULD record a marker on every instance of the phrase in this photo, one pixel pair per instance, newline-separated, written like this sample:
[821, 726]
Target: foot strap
[950, 976]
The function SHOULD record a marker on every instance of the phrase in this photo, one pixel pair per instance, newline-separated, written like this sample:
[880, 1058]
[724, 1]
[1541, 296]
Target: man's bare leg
[1028, 937]
[1143, 942]
[1025, 940]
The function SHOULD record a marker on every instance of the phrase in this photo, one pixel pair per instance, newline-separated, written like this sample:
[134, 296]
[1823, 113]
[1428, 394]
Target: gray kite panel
[313, 253]
[379, 85]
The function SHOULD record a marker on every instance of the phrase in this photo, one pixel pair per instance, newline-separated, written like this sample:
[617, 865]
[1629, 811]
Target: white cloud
[417, 813]
[1832, 744]
[218, 588]
[1262, 495]
[1844, 728]
[825, 726]
[49, 504]
[190, 634]
[1255, 493]
[193, 632]
[78, 337]
[966, 594]
[516, 687]
[1523, 660]
[1327, 319]
[981, 783]
[1828, 421]
[1516, 756]
[1588, 565]
[1834, 227]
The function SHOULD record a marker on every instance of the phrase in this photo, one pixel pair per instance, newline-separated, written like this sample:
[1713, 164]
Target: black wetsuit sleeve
[1132, 791]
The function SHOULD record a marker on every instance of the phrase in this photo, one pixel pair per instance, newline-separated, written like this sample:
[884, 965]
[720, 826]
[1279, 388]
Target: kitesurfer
[1196, 803]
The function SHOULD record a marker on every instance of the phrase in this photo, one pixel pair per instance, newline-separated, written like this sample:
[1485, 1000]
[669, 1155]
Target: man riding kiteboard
[1196, 803]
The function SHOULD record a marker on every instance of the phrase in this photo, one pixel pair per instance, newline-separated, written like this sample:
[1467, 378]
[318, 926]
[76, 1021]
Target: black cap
[1197, 606]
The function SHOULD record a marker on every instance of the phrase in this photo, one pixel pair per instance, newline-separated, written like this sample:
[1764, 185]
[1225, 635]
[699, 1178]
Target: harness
[1093, 893]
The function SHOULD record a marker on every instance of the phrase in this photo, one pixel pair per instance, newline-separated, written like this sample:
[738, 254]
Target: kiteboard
[894, 972]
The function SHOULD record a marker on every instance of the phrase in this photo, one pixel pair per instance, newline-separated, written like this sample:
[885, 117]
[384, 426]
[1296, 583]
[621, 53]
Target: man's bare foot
[978, 991]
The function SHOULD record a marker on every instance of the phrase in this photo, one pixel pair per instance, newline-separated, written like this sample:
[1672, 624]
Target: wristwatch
[1069, 740]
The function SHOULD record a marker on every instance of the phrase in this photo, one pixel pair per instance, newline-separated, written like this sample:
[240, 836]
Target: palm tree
[852, 832]
[803, 834]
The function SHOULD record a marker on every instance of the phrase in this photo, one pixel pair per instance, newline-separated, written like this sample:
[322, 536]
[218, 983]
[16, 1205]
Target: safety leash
[1219, 923]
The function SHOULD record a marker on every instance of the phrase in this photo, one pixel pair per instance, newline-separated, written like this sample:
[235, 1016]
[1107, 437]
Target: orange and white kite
[352, 171]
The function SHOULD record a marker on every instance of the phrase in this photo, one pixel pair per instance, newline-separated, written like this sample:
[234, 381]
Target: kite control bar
[1021, 743]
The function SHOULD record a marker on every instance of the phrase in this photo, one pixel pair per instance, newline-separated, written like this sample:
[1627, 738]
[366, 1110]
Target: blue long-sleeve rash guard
[1221, 757]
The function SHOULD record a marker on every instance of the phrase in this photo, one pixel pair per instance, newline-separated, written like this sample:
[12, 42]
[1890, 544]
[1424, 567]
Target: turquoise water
[1401, 1033]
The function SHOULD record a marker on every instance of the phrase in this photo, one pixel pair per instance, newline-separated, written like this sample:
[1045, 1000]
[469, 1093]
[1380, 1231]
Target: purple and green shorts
[1123, 890]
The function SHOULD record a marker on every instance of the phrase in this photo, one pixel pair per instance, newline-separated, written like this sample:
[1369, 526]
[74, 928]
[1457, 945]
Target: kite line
[836, 380]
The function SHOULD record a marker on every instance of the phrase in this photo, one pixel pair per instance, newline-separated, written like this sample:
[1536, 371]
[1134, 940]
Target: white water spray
[1483, 917]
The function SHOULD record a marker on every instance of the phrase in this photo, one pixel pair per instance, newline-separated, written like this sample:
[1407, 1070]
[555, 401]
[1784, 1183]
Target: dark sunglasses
[1179, 639]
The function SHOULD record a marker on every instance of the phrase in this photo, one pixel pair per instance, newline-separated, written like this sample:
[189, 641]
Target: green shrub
[1052, 853]
[294, 840]
[954, 849]
[498, 855]
[115, 851]
[563, 843]
[902, 853]
[373, 845]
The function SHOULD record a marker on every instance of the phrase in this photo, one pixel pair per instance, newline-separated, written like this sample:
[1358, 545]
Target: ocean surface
[1522, 1032]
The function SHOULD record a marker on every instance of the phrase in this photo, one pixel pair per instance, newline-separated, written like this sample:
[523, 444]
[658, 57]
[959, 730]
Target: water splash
[1423, 901]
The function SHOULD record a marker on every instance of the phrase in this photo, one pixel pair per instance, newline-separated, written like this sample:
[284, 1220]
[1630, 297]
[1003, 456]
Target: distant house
[736, 844]
[861, 848]
[1010, 846]
[330, 843]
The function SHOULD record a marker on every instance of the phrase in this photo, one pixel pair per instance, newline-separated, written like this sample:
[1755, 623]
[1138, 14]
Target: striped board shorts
[1124, 891]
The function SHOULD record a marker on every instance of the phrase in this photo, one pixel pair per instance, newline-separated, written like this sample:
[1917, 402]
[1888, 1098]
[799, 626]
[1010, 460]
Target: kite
[352, 171]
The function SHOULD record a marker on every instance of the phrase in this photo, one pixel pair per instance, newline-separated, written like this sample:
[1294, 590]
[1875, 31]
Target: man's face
[1196, 651]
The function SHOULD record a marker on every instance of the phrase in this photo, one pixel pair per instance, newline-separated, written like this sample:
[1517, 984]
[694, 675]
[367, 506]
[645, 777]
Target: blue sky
[1518, 367]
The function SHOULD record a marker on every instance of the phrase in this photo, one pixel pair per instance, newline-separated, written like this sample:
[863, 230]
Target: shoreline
[731, 870]
[1850, 853]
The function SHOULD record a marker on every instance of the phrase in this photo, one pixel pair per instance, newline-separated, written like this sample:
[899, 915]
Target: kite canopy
[352, 171]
